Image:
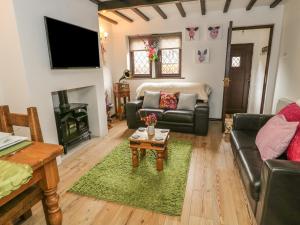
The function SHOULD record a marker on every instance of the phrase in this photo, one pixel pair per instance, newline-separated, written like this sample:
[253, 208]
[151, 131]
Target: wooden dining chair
[31, 120]
[20, 207]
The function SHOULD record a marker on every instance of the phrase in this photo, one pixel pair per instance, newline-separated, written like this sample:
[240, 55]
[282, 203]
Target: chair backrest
[31, 120]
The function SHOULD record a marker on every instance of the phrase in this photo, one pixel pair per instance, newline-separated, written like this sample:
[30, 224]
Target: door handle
[226, 81]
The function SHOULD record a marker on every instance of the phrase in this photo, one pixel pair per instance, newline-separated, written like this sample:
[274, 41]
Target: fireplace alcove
[73, 108]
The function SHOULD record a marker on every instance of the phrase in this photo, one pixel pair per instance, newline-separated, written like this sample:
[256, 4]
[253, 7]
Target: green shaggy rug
[114, 179]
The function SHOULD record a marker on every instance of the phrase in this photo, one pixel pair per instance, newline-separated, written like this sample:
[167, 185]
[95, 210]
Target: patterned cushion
[168, 100]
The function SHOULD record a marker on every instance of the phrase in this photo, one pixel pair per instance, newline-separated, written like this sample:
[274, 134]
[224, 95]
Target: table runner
[14, 148]
[13, 176]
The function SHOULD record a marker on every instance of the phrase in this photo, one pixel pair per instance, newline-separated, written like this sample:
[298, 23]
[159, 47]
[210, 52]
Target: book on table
[7, 140]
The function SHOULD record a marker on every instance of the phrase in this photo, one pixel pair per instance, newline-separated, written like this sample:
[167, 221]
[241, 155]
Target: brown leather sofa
[273, 186]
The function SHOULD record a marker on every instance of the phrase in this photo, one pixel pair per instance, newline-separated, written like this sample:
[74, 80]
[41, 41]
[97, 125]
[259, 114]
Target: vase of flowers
[150, 121]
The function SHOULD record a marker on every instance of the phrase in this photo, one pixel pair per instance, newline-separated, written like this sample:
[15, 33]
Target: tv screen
[71, 46]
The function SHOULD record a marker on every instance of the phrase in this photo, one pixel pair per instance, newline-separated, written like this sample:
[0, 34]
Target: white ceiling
[190, 7]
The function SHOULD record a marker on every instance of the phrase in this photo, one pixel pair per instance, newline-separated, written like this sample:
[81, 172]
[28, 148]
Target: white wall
[260, 39]
[14, 87]
[288, 77]
[212, 73]
[30, 44]
[106, 58]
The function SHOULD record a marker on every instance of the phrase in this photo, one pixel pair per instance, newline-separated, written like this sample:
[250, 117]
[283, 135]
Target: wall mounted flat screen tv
[71, 46]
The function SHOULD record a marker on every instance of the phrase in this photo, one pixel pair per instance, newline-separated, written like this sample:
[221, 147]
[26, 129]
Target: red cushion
[292, 113]
[168, 100]
[293, 152]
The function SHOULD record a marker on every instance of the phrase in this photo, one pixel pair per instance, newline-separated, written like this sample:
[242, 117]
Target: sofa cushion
[275, 136]
[243, 139]
[187, 101]
[168, 100]
[250, 164]
[180, 116]
[146, 112]
[151, 100]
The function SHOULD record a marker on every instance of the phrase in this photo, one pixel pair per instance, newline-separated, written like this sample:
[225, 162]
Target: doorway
[239, 76]
[243, 91]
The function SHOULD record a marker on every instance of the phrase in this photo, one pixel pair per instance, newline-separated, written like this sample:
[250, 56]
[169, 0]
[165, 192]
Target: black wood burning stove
[71, 121]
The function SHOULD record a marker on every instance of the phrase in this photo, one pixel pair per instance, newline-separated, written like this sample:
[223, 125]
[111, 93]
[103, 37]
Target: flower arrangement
[150, 120]
[151, 45]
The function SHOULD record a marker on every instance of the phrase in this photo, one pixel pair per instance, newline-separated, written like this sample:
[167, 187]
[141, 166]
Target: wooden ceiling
[115, 6]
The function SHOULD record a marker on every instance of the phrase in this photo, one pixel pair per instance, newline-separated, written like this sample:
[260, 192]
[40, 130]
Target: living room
[158, 129]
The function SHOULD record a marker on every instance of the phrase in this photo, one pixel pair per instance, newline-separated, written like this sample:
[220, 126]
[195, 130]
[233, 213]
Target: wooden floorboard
[214, 192]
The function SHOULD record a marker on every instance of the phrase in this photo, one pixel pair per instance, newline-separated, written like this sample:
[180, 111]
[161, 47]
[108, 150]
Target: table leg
[166, 153]
[52, 210]
[143, 152]
[160, 161]
[135, 157]
[48, 184]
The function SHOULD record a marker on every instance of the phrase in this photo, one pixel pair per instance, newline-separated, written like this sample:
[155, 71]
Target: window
[236, 61]
[169, 56]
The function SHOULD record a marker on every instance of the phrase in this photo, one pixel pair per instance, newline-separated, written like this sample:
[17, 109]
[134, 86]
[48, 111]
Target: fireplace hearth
[71, 121]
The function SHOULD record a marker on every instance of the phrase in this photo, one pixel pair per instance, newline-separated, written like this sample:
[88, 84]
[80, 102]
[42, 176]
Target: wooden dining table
[42, 158]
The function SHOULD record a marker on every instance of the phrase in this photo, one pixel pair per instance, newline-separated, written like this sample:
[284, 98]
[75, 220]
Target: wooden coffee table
[140, 142]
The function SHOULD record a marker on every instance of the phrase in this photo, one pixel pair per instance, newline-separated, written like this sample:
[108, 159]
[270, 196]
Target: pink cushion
[274, 137]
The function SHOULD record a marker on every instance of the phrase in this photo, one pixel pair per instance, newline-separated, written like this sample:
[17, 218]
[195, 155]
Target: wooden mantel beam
[227, 5]
[180, 9]
[250, 5]
[160, 12]
[117, 4]
[107, 19]
[203, 7]
[141, 14]
[275, 3]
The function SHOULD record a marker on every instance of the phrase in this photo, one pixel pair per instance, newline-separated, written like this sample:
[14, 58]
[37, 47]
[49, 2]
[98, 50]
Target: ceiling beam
[117, 4]
[203, 7]
[275, 3]
[160, 12]
[227, 5]
[251, 4]
[107, 19]
[181, 9]
[141, 14]
[95, 1]
[123, 16]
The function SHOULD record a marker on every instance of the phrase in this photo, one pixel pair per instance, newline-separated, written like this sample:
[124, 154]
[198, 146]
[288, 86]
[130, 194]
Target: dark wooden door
[239, 78]
[226, 76]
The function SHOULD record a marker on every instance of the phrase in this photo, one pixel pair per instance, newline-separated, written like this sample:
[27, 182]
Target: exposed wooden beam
[123, 16]
[107, 19]
[160, 12]
[251, 4]
[226, 7]
[142, 15]
[117, 4]
[203, 7]
[275, 3]
[95, 1]
[180, 9]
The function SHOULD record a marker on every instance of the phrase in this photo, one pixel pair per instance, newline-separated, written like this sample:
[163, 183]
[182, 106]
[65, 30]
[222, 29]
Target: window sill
[156, 78]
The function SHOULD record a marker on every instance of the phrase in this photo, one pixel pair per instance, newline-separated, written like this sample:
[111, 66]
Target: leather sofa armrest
[246, 121]
[132, 117]
[201, 118]
[279, 202]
